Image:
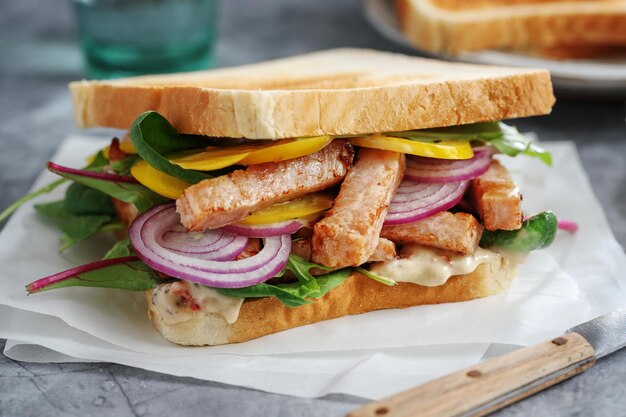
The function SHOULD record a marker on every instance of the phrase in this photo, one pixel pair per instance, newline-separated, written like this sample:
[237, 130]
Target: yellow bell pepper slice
[445, 149]
[287, 149]
[158, 181]
[302, 207]
[212, 159]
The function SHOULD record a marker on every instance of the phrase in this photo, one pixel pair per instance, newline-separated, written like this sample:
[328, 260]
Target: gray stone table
[38, 57]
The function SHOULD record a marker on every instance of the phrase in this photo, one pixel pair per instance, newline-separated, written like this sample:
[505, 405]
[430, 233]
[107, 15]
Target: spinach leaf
[98, 162]
[123, 166]
[136, 194]
[55, 210]
[83, 200]
[131, 275]
[83, 227]
[43, 190]
[121, 249]
[537, 232]
[292, 294]
[506, 139]
[153, 136]
[77, 228]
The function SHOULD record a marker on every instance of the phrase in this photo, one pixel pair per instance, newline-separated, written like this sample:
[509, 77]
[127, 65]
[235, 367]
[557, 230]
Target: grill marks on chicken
[349, 234]
[497, 199]
[459, 232]
[216, 202]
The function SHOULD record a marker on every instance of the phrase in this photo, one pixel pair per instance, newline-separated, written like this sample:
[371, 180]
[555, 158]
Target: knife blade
[503, 380]
[606, 333]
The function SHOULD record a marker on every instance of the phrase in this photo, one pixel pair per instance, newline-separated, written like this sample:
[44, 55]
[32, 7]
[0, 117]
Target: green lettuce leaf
[506, 139]
[153, 137]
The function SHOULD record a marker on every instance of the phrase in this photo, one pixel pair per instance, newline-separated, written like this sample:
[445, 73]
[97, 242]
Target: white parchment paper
[576, 279]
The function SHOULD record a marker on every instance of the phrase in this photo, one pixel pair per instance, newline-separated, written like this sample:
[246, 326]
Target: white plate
[605, 77]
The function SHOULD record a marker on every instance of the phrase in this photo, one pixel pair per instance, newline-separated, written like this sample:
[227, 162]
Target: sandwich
[553, 28]
[256, 199]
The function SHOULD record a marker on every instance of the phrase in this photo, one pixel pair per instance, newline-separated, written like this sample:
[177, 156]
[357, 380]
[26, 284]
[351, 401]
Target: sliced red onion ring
[265, 230]
[60, 169]
[418, 201]
[150, 227]
[431, 170]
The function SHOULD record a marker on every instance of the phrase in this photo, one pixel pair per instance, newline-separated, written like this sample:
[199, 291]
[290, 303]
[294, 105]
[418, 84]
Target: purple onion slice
[419, 201]
[431, 170]
[149, 229]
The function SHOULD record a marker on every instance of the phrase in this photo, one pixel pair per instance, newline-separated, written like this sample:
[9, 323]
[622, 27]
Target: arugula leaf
[512, 143]
[136, 194]
[300, 268]
[121, 249]
[83, 200]
[43, 190]
[82, 227]
[152, 135]
[293, 294]
[133, 275]
[372, 275]
[507, 139]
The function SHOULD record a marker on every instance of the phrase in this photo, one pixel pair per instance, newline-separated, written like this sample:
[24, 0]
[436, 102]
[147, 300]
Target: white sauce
[429, 266]
[173, 309]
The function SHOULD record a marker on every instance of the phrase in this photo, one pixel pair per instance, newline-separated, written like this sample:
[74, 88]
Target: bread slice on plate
[335, 92]
[357, 295]
[455, 26]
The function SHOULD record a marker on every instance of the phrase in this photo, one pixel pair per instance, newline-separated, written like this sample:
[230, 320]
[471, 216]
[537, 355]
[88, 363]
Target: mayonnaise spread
[429, 266]
[172, 302]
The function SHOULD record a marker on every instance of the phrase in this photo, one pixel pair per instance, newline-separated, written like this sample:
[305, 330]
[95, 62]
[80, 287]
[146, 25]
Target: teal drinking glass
[131, 37]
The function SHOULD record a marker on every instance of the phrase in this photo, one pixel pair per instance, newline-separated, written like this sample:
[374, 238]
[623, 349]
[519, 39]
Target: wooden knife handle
[492, 384]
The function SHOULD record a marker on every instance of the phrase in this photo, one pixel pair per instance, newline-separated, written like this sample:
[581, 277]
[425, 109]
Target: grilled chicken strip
[497, 199]
[458, 232]
[385, 251]
[348, 235]
[219, 201]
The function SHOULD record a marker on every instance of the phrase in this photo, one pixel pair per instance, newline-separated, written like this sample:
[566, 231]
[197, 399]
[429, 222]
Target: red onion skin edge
[60, 169]
[481, 158]
[264, 230]
[41, 284]
[442, 180]
[411, 219]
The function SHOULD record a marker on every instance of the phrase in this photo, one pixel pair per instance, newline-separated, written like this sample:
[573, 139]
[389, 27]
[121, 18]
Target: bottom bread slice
[356, 295]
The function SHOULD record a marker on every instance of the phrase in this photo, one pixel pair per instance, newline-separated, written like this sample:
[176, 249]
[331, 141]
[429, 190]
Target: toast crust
[335, 92]
[455, 26]
[356, 295]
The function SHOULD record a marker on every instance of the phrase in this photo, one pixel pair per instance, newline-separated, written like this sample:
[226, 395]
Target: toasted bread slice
[356, 295]
[335, 92]
[454, 26]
